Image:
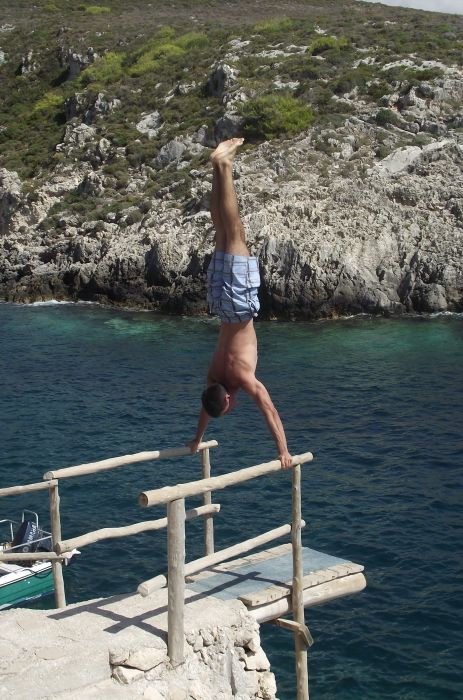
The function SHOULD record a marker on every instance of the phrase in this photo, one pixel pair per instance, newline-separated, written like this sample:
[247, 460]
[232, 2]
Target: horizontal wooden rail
[27, 488]
[109, 533]
[32, 556]
[282, 590]
[316, 595]
[214, 483]
[113, 462]
[193, 567]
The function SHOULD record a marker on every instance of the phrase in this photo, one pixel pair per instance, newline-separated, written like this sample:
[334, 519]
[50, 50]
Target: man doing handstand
[233, 281]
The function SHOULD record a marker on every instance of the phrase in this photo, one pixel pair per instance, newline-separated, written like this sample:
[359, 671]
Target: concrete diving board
[262, 581]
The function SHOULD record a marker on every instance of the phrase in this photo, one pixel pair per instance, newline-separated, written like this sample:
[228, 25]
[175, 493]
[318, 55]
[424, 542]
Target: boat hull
[26, 585]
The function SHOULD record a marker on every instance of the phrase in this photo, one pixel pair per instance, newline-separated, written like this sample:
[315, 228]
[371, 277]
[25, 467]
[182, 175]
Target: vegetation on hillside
[295, 71]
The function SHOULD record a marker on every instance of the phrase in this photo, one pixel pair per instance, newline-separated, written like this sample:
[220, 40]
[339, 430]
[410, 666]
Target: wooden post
[207, 500]
[302, 675]
[176, 581]
[57, 566]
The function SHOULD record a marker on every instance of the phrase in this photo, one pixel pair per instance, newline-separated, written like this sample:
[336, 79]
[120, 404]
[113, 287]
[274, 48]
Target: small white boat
[24, 581]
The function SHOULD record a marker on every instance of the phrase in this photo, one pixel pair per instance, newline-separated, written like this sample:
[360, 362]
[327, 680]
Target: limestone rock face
[76, 61]
[88, 109]
[28, 63]
[222, 661]
[10, 197]
[149, 124]
[228, 126]
[220, 80]
[354, 218]
[387, 242]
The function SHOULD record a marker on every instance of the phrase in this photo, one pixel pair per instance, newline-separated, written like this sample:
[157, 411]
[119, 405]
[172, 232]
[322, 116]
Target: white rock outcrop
[84, 658]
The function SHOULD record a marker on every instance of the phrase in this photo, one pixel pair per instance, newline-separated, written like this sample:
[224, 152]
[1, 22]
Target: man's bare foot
[225, 151]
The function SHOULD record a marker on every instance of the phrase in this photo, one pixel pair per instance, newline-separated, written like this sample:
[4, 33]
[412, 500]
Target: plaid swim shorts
[232, 284]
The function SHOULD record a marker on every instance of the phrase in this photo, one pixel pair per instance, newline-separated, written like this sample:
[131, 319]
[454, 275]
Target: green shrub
[274, 25]
[421, 74]
[165, 33]
[382, 151]
[272, 116]
[413, 76]
[161, 52]
[51, 7]
[95, 9]
[49, 102]
[106, 70]
[387, 116]
[321, 96]
[154, 57]
[356, 77]
[325, 43]
[377, 89]
[192, 40]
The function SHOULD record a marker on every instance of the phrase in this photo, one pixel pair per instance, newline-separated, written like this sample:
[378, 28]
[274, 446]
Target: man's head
[217, 400]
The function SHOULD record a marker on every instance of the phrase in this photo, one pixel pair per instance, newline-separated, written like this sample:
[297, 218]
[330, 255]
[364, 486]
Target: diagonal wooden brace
[294, 626]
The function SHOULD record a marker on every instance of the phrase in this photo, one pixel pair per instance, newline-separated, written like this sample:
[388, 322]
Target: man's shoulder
[248, 381]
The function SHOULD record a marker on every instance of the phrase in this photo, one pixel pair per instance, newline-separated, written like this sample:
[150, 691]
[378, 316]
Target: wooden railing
[174, 498]
[62, 548]
[177, 570]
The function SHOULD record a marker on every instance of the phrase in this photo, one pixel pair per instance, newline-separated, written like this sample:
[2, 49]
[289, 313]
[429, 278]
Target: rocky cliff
[353, 205]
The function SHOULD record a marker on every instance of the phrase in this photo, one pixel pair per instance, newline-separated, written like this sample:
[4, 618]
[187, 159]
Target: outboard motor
[24, 538]
[45, 544]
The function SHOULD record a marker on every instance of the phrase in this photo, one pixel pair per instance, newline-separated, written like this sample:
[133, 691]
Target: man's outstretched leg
[232, 275]
[230, 234]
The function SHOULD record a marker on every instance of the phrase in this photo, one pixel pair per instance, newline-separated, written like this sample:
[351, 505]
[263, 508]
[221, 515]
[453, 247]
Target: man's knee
[236, 232]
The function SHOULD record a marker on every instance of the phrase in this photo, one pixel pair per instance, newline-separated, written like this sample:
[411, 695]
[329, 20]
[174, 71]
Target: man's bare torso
[235, 356]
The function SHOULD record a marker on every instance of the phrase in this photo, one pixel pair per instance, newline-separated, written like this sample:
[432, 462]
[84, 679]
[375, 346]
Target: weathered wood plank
[195, 488]
[271, 593]
[113, 462]
[57, 566]
[316, 595]
[15, 557]
[176, 575]
[296, 628]
[207, 499]
[242, 561]
[297, 597]
[108, 533]
[27, 488]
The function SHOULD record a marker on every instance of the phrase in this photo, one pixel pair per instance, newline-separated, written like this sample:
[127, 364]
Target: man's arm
[259, 393]
[202, 425]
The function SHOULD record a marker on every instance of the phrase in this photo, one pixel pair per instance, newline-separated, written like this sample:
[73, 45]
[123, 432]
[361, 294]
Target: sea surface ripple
[379, 402]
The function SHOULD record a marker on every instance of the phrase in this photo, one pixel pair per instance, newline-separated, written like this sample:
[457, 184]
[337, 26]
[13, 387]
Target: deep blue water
[379, 402]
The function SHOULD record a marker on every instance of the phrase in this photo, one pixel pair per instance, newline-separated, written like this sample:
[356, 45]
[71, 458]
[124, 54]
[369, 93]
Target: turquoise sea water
[379, 402]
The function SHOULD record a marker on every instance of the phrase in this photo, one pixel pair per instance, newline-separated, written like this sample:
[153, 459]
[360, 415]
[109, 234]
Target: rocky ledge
[114, 648]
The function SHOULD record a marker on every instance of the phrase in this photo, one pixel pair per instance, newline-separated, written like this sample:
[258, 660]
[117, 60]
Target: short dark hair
[213, 399]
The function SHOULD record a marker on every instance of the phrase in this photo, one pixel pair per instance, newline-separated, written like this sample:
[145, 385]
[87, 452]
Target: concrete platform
[66, 653]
